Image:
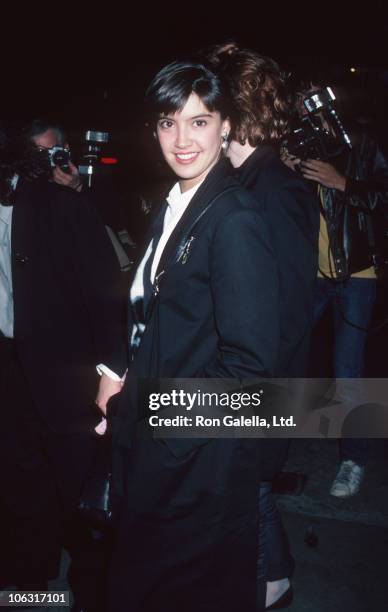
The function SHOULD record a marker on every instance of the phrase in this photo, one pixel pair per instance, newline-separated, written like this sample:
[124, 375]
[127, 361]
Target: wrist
[341, 183]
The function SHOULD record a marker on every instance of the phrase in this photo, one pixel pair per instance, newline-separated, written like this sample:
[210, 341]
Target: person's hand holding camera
[289, 160]
[324, 173]
[70, 179]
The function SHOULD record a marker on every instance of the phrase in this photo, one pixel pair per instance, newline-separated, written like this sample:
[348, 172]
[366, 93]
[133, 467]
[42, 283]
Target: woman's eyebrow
[202, 115]
[171, 118]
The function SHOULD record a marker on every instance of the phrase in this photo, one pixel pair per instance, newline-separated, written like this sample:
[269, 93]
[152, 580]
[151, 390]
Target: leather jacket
[357, 219]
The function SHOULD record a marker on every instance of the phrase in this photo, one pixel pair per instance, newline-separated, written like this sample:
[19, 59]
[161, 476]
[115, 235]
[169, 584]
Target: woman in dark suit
[204, 305]
[284, 199]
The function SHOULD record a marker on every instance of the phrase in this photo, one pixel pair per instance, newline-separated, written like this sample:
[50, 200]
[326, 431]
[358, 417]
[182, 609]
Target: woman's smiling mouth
[186, 158]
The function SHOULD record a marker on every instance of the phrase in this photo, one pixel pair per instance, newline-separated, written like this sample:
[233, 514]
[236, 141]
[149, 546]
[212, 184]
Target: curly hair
[259, 91]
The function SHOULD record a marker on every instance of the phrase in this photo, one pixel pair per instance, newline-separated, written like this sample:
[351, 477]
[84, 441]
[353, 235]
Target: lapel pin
[185, 250]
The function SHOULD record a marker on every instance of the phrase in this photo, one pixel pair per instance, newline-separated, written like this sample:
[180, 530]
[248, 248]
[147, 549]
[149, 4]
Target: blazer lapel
[213, 186]
[206, 193]
[198, 205]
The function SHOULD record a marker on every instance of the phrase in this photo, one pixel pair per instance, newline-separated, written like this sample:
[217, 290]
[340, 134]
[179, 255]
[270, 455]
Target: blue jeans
[353, 300]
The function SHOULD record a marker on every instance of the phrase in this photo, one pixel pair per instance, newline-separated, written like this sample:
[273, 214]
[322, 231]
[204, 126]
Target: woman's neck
[238, 153]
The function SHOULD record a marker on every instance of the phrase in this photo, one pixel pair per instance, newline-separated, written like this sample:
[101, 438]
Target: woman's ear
[225, 134]
[226, 127]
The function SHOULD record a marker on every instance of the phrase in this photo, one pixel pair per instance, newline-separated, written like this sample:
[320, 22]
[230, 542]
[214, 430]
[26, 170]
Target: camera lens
[61, 158]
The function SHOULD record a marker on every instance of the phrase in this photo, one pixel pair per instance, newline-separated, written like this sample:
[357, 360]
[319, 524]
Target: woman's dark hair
[259, 91]
[173, 85]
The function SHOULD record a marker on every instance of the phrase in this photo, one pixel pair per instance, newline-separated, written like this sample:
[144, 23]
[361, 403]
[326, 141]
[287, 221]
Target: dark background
[87, 67]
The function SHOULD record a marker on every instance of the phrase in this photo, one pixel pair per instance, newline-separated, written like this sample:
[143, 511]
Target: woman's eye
[200, 122]
[165, 123]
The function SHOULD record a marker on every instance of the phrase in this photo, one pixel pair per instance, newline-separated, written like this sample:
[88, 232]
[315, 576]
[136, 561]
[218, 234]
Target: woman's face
[191, 140]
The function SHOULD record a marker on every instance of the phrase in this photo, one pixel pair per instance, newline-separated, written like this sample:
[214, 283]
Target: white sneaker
[348, 480]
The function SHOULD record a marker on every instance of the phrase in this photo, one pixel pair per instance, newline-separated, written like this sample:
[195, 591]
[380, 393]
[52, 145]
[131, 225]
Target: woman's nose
[182, 137]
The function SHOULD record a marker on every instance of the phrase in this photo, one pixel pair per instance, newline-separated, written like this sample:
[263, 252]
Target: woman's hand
[107, 388]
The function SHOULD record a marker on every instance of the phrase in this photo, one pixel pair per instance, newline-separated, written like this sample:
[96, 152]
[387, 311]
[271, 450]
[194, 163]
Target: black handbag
[95, 504]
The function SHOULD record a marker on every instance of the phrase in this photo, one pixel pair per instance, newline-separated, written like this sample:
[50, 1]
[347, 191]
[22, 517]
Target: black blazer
[69, 311]
[216, 313]
[288, 205]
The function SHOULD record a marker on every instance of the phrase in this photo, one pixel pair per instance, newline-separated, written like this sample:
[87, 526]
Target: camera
[59, 156]
[39, 162]
[319, 133]
[309, 140]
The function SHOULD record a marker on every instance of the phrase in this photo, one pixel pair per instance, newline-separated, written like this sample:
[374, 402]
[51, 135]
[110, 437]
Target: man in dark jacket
[353, 201]
[61, 315]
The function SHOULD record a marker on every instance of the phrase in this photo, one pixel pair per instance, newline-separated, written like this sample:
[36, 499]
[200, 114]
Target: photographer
[352, 189]
[60, 315]
[45, 136]
[50, 141]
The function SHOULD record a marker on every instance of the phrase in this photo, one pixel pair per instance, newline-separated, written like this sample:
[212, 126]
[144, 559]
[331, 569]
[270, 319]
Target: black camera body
[318, 134]
[310, 140]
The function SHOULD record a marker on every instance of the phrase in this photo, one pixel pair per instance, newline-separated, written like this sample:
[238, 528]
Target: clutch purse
[95, 502]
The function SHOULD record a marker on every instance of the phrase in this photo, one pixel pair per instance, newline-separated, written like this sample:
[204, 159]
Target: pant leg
[30, 527]
[321, 298]
[354, 301]
[41, 476]
[275, 561]
[72, 455]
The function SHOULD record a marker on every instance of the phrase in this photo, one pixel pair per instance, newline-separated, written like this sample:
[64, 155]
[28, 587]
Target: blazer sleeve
[101, 281]
[292, 213]
[244, 284]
